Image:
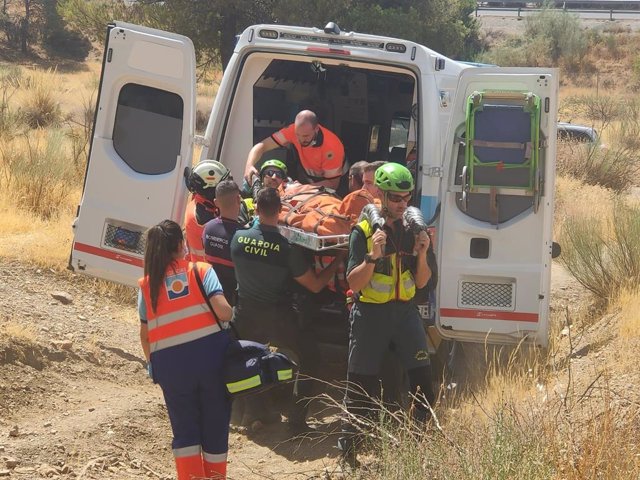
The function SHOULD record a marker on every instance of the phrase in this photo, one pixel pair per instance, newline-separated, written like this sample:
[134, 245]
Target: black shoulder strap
[206, 298]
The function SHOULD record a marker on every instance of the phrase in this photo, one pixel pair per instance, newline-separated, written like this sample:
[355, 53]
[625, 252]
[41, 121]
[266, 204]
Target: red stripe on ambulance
[489, 315]
[101, 252]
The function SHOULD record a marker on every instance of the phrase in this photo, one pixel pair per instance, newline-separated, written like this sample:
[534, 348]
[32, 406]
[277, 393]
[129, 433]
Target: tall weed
[11, 119]
[40, 105]
[524, 424]
[37, 171]
[598, 110]
[79, 132]
[603, 254]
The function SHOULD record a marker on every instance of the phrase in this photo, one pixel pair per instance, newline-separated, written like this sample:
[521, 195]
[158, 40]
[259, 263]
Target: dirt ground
[76, 402]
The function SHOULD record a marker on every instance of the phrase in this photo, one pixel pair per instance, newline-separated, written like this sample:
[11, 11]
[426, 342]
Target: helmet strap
[384, 210]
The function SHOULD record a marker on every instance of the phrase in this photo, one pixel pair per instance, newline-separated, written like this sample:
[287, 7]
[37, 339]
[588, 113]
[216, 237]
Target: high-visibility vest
[193, 232]
[182, 314]
[322, 160]
[383, 288]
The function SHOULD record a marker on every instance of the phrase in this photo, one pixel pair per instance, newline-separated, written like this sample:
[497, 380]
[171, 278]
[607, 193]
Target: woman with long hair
[185, 348]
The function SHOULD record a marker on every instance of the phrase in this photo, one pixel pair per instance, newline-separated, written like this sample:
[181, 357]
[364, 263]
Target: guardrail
[520, 10]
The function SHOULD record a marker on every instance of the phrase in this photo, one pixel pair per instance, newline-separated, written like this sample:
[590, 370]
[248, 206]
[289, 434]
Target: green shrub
[519, 53]
[616, 168]
[551, 37]
[612, 45]
[604, 254]
[562, 30]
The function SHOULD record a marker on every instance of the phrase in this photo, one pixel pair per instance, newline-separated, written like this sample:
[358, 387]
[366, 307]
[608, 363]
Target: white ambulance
[484, 139]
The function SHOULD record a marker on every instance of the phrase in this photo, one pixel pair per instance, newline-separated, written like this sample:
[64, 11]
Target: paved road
[594, 15]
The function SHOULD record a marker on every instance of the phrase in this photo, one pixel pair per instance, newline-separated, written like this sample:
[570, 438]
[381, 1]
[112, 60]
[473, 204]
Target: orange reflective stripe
[183, 316]
[197, 256]
[179, 327]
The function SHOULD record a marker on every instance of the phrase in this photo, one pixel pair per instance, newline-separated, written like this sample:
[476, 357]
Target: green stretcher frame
[530, 103]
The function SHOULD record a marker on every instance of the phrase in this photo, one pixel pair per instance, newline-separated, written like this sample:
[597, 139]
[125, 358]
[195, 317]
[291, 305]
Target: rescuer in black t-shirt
[266, 264]
[217, 235]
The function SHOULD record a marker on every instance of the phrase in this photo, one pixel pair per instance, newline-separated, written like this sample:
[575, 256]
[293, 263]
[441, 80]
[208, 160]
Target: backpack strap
[196, 272]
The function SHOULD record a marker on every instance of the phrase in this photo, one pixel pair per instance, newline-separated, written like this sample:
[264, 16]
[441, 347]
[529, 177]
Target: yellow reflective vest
[394, 284]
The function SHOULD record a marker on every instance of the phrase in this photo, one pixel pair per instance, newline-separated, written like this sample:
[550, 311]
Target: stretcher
[313, 241]
[504, 154]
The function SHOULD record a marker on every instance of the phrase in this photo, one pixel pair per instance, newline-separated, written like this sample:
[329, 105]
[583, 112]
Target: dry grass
[575, 199]
[38, 98]
[19, 332]
[27, 236]
[536, 417]
[628, 307]
[603, 252]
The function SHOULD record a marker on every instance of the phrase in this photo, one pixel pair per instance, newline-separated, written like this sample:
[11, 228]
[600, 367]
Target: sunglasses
[270, 172]
[392, 197]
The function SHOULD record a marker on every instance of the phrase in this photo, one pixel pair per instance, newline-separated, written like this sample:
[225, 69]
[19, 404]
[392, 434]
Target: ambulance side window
[148, 128]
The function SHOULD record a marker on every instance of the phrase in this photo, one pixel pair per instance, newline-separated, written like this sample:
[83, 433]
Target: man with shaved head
[320, 151]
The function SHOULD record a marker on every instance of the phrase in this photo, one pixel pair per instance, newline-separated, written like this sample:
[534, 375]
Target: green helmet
[273, 163]
[393, 177]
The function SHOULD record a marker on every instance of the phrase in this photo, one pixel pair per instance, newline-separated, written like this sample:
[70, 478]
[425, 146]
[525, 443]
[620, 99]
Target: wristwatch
[369, 259]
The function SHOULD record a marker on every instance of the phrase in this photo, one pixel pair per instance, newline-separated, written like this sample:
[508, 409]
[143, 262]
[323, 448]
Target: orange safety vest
[193, 232]
[182, 314]
[319, 161]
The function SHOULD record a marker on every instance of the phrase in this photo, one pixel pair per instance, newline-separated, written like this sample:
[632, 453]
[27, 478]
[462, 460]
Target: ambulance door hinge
[433, 172]
[201, 141]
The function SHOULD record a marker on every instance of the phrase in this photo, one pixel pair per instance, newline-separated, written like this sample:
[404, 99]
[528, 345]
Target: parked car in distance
[576, 133]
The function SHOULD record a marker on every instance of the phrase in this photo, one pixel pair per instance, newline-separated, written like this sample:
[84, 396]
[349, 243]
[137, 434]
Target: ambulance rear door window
[148, 128]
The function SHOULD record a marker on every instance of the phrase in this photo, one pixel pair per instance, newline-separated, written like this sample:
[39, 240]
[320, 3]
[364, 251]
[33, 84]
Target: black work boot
[348, 456]
[297, 420]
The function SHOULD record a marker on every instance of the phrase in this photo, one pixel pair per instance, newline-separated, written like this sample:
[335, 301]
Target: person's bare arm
[255, 154]
[360, 275]
[315, 282]
[423, 272]
[144, 340]
[221, 307]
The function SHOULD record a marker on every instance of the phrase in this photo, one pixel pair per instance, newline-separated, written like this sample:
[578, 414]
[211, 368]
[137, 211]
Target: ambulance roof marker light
[272, 34]
[332, 28]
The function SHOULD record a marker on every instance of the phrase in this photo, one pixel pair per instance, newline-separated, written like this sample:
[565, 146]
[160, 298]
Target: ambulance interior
[369, 107]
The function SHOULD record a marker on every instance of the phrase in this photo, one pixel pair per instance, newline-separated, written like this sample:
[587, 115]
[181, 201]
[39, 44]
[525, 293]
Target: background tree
[443, 25]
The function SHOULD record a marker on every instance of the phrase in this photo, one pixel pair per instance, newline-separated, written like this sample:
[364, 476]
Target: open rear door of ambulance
[495, 229]
[142, 141]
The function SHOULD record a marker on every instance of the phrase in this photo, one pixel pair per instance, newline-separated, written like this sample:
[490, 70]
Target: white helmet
[203, 178]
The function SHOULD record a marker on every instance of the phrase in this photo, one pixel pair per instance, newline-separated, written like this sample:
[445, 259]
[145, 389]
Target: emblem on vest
[330, 155]
[177, 285]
